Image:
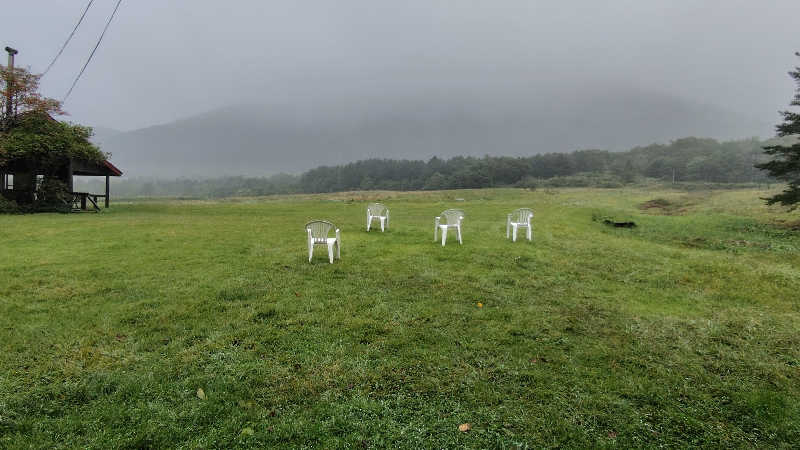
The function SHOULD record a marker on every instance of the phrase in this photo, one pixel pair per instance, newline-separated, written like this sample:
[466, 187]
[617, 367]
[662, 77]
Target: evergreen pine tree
[785, 165]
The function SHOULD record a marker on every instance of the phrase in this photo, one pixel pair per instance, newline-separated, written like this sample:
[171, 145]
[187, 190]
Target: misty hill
[295, 136]
[103, 134]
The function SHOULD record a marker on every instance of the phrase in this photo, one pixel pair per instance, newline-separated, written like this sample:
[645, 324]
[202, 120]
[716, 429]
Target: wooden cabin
[20, 181]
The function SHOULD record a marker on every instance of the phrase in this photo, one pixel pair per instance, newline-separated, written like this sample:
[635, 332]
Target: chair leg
[458, 232]
[383, 224]
[514, 233]
[310, 252]
[530, 233]
[369, 222]
[330, 253]
[444, 236]
[435, 233]
[338, 249]
[508, 226]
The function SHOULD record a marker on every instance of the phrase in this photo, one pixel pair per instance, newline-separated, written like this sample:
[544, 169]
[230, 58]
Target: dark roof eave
[113, 168]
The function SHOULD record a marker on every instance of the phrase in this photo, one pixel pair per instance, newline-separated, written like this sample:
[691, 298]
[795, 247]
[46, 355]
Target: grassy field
[680, 332]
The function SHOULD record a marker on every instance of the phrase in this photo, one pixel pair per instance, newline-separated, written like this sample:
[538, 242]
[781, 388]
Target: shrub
[528, 182]
[8, 206]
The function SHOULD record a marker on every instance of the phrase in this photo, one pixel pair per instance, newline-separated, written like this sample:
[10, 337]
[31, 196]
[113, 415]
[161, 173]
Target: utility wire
[93, 50]
[68, 38]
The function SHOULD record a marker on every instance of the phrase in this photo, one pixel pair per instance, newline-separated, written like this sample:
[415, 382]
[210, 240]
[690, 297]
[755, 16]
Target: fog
[167, 60]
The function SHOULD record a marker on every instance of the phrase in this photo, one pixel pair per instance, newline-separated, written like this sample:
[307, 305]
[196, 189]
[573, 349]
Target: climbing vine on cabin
[32, 142]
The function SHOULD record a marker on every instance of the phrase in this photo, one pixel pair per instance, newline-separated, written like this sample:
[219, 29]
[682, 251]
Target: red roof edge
[113, 168]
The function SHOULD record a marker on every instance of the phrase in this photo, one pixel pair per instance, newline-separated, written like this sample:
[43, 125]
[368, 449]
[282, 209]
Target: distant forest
[684, 160]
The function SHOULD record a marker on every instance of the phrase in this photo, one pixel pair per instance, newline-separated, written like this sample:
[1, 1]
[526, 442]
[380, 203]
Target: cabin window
[10, 181]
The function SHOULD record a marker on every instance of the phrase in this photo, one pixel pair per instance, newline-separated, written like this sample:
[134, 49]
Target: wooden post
[107, 189]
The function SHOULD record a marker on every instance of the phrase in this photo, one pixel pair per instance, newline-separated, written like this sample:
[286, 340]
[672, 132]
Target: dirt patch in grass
[660, 203]
[667, 207]
[792, 225]
[696, 242]
[746, 243]
[725, 244]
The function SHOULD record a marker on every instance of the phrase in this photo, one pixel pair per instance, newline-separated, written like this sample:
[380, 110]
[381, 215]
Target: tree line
[684, 160]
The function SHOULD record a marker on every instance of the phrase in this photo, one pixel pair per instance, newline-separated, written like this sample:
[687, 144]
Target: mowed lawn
[684, 331]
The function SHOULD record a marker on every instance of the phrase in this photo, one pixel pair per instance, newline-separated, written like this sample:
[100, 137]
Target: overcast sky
[166, 59]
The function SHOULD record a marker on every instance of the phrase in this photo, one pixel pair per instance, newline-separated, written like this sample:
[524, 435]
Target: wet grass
[682, 331]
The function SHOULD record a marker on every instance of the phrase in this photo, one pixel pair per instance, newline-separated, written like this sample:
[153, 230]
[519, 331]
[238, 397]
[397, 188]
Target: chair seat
[444, 225]
[328, 242]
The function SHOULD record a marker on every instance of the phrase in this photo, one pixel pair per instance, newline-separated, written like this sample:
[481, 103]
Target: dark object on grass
[615, 224]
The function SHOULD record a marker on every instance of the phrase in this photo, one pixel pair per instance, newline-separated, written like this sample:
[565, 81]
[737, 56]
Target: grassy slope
[680, 332]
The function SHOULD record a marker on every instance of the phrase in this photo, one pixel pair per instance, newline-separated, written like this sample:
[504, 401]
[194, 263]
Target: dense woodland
[687, 160]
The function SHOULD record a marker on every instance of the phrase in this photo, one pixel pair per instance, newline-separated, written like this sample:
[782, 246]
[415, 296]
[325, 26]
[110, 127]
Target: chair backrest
[521, 215]
[376, 209]
[319, 230]
[452, 216]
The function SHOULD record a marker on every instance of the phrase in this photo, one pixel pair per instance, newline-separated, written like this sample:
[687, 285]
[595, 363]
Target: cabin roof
[95, 168]
[79, 166]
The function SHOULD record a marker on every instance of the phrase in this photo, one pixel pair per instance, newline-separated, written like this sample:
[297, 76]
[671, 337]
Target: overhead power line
[99, 40]
[68, 38]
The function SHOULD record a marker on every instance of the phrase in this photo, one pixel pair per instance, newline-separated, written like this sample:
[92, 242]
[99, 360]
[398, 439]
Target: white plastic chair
[520, 218]
[452, 219]
[377, 211]
[318, 231]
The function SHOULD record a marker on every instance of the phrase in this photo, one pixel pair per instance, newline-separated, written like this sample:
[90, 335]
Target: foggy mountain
[103, 134]
[293, 136]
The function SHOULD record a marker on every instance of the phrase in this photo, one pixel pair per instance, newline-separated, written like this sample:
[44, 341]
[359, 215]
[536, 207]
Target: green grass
[680, 332]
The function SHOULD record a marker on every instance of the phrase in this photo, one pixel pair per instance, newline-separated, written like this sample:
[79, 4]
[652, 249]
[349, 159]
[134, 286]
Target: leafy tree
[436, 181]
[628, 172]
[786, 163]
[367, 183]
[30, 132]
[23, 88]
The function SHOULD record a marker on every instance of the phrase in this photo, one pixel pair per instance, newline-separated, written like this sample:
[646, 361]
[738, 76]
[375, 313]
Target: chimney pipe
[9, 96]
